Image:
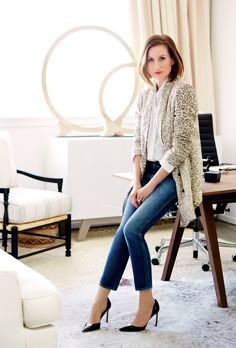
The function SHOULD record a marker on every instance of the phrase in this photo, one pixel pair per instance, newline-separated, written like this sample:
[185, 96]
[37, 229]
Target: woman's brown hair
[155, 40]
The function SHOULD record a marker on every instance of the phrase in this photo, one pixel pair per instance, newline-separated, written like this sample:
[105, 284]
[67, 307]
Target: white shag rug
[189, 315]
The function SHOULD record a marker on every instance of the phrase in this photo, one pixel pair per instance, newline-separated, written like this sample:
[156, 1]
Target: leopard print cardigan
[180, 138]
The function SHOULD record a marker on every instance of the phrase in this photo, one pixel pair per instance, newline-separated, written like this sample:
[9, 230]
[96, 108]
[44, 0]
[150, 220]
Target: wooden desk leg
[173, 248]
[213, 250]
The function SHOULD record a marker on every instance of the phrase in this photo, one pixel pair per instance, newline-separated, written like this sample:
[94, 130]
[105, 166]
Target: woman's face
[159, 63]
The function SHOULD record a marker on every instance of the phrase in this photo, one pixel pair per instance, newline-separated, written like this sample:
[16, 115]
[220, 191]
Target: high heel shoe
[132, 328]
[96, 326]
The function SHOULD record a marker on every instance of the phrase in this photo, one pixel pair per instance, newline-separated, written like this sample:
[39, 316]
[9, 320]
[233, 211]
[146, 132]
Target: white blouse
[155, 150]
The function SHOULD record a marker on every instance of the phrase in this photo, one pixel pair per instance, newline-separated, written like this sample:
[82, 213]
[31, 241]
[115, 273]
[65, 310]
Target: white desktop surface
[126, 176]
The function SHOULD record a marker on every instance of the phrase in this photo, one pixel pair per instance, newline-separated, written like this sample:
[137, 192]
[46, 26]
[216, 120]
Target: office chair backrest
[208, 144]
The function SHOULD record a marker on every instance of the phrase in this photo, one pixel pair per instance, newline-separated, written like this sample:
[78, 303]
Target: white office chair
[22, 210]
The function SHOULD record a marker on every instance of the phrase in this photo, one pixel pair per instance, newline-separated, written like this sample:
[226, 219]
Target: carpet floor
[189, 315]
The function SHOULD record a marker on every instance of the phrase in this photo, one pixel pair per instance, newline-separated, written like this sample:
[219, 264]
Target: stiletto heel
[156, 319]
[96, 326]
[106, 315]
[132, 328]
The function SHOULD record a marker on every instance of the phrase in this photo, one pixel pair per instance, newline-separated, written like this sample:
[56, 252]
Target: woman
[167, 168]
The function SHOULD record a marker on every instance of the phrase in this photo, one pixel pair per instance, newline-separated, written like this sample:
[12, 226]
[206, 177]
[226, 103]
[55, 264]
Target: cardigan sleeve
[137, 127]
[184, 126]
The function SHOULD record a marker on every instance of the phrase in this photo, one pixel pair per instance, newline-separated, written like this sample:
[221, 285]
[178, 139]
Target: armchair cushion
[27, 205]
[41, 303]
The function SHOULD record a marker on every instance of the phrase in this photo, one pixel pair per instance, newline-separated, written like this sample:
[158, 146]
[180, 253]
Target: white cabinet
[87, 163]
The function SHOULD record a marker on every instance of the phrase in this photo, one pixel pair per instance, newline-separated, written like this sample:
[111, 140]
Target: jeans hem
[107, 287]
[142, 289]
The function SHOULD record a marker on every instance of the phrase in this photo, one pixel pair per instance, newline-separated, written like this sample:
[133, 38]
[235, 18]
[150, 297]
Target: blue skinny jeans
[129, 240]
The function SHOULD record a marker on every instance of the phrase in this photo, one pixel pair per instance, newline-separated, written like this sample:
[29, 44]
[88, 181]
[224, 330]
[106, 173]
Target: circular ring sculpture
[110, 127]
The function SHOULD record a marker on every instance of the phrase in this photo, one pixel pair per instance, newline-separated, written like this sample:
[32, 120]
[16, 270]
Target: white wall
[223, 33]
[224, 66]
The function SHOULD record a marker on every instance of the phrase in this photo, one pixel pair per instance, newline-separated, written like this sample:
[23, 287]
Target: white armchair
[30, 305]
[24, 209]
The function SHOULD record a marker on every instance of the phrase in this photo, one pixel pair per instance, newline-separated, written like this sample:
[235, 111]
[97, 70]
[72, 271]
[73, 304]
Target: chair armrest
[4, 190]
[58, 181]
[11, 315]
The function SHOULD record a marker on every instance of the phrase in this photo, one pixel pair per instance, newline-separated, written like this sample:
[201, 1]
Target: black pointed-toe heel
[96, 326]
[132, 328]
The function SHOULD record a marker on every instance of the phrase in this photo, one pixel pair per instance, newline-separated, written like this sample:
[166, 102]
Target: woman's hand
[144, 192]
[134, 193]
[139, 194]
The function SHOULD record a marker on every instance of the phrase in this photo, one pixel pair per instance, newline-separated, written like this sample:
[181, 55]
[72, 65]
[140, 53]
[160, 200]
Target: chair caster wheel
[205, 267]
[157, 248]
[234, 257]
[155, 261]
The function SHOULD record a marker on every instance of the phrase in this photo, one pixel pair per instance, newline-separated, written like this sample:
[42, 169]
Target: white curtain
[188, 23]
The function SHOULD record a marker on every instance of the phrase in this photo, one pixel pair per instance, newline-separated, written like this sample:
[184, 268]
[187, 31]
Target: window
[77, 65]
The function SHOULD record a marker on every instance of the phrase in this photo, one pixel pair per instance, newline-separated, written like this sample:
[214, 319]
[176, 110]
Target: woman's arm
[136, 179]
[139, 193]
[137, 126]
[136, 153]
[146, 190]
